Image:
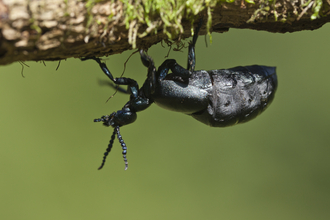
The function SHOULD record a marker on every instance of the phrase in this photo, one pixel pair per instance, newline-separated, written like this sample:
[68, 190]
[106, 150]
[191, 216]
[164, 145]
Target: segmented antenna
[109, 148]
[105, 119]
[123, 146]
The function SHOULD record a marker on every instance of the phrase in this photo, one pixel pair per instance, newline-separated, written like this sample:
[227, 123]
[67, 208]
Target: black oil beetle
[217, 98]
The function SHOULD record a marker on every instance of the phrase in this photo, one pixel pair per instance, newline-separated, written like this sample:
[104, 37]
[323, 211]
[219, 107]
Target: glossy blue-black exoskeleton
[217, 98]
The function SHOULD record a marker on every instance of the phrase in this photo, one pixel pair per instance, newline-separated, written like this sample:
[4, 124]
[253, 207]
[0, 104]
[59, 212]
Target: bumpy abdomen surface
[238, 95]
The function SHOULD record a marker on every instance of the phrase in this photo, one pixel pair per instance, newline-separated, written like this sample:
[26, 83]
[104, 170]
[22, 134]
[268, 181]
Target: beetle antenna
[108, 149]
[117, 87]
[123, 146]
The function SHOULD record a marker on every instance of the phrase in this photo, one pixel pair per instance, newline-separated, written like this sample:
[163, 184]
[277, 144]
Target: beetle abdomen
[239, 94]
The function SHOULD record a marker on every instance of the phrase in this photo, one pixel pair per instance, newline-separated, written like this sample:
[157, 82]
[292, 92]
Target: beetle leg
[191, 50]
[102, 65]
[148, 62]
[133, 86]
[119, 89]
[179, 73]
[114, 86]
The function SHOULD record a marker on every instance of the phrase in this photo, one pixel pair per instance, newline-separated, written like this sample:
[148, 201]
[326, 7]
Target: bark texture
[57, 29]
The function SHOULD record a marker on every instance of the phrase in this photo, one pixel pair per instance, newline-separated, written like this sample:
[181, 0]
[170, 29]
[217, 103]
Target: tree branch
[58, 29]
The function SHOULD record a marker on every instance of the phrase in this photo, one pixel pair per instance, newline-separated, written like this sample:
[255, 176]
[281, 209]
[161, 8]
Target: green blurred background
[274, 167]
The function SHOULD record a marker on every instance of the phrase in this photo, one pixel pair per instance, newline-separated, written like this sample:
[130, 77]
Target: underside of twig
[57, 29]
